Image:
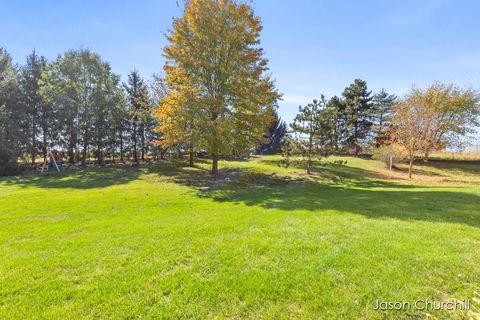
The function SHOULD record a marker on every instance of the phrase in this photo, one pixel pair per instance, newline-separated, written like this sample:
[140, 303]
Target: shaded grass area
[78, 179]
[372, 199]
[168, 241]
[465, 169]
[433, 170]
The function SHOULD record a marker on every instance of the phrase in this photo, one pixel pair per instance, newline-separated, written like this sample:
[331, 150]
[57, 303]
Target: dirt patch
[398, 174]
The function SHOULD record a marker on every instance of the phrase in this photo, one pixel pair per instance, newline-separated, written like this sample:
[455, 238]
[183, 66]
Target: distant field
[456, 156]
[260, 242]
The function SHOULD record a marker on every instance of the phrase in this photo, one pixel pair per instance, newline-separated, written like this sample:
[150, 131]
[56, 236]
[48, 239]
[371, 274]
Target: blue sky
[314, 46]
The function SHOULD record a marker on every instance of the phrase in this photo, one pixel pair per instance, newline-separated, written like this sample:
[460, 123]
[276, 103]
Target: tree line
[345, 124]
[75, 104]
[424, 120]
[215, 97]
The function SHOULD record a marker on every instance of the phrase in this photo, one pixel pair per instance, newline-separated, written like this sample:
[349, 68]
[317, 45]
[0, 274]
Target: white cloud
[297, 99]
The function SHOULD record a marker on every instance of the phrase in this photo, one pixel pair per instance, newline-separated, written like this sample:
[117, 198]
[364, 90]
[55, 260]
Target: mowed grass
[260, 242]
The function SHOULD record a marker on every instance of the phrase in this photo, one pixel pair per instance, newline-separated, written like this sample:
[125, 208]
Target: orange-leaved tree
[413, 122]
[434, 118]
[219, 97]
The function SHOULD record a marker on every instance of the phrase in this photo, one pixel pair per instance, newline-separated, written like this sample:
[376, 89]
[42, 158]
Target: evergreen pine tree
[336, 110]
[38, 115]
[383, 110]
[12, 133]
[275, 135]
[136, 109]
[306, 125]
[358, 115]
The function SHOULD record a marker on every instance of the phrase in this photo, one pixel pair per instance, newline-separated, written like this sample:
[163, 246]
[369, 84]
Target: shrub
[289, 148]
[8, 164]
[385, 152]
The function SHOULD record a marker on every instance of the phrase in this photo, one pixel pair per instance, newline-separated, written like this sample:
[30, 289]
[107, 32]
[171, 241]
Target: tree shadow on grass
[450, 170]
[333, 187]
[370, 198]
[469, 167]
[338, 188]
[173, 171]
[197, 177]
[78, 179]
[421, 168]
[328, 170]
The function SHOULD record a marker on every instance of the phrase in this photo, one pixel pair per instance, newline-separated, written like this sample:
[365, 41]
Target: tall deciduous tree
[82, 90]
[216, 73]
[456, 113]
[433, 118]
[107, 106]
[413, 126]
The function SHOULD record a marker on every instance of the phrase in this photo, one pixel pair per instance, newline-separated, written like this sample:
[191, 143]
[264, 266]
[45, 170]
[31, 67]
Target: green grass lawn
[261, 242]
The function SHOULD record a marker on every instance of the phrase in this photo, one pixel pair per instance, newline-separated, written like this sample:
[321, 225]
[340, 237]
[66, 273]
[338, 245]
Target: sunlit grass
[261, 241]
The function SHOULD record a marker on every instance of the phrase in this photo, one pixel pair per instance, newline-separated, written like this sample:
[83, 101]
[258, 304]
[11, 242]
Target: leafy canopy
[218, 89]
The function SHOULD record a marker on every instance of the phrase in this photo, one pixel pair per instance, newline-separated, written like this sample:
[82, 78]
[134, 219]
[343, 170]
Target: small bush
[8, 165]
[383, 153]
[289, 147]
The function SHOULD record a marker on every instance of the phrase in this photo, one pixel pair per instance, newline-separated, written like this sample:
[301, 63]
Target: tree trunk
[215, 165]
[163, 152]
[310, 151]
[100, 147]
[121, 147]
[44, 145]
[135, 156]
[142, 137]
[71, 155]
[71, 151]
[72, 142]
[191, 157]
[355, 139]
[34, 141]
[410, 167]
[84, 154]
[380, 132]
[100, 155]
[427, 154]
